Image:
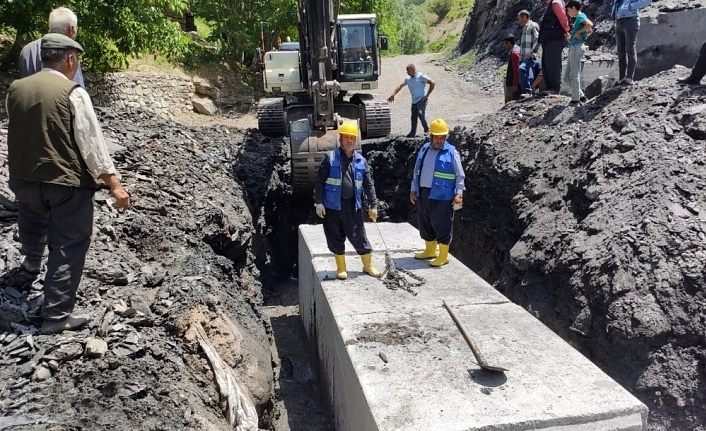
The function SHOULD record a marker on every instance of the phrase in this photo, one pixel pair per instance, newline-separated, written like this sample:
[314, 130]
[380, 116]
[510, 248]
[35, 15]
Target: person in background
[62, 21]
[627, 23]
[553, 31]
[698, 71]
[529, 46]
[343, 180]
[417, 84]
[512, 75]
[580, 30]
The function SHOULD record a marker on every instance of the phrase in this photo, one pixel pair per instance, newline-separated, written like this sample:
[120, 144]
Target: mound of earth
[594, 219]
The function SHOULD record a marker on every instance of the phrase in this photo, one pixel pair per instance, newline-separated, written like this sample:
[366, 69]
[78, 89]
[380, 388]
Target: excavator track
[271, 117]
[377, 118]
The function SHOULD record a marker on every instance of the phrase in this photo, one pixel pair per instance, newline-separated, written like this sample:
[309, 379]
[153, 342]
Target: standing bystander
[699, 70]
[512, 75]
[553, 31]
[56, 156]
[529, 45]
[61, 20]
[580, 30]
[627, 24]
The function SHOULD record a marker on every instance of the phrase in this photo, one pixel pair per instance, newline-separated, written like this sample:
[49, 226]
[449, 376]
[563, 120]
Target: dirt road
[453, 99]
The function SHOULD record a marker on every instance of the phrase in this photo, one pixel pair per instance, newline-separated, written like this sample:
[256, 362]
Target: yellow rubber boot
[341, 273]
[429, 252]
[368, 266]
[443, 258]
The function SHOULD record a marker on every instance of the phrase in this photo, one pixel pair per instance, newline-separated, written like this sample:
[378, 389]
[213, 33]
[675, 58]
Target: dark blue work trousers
[346, 223]
[419, 112]
[434, 217]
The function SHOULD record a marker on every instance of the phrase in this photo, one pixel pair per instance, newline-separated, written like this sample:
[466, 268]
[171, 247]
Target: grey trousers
[626, 37]
[572, 75]
[61, 217]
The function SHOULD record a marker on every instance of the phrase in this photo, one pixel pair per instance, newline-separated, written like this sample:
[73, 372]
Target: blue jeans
[626, 37]
[573, 72]
[529, 69]
[419, 111]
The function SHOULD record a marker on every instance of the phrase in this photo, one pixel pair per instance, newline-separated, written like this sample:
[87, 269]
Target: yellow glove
[320, 210]
[373, 214]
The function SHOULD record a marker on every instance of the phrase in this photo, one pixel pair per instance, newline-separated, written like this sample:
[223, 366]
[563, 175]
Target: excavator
[313, 89]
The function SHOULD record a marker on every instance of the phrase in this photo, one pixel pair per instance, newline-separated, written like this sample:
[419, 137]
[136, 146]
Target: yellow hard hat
[348, 128]
[439, 127]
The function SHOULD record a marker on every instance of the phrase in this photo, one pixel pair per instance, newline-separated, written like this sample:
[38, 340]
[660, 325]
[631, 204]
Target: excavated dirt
[594, 219]
[191, 249]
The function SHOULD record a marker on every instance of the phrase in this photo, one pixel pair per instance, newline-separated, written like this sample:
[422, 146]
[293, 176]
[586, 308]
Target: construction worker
[437, 190]
[344, 177]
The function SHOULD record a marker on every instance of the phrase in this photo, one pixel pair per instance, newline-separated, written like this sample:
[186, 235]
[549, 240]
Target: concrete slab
[393, 361]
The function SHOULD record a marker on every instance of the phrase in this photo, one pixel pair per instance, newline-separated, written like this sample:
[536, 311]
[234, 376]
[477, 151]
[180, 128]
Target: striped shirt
[530, 35]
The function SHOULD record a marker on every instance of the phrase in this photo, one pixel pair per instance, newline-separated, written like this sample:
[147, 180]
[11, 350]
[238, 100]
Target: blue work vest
[443, 185]
[333, 185]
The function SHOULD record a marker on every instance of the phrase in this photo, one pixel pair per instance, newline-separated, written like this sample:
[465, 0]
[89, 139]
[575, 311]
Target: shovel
[472, 343]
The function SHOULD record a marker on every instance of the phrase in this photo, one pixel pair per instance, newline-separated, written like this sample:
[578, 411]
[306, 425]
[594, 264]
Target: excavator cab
[313, 90]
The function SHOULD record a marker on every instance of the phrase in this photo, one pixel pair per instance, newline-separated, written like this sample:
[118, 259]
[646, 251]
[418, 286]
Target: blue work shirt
[426, 176]
[417, 86]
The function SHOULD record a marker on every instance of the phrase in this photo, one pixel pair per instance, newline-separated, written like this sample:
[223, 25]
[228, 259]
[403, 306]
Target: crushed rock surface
[181, 254]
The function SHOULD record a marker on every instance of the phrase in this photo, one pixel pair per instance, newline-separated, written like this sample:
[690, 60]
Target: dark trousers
[62, 217]
[435, 218]
[551, 64]
[346, 223]
[419, 111]
[626, 40]
[699, 70]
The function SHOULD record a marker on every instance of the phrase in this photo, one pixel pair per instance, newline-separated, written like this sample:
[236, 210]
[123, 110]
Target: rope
[393, 277]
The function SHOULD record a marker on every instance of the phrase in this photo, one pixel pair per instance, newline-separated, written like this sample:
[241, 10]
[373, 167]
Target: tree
[109, 31]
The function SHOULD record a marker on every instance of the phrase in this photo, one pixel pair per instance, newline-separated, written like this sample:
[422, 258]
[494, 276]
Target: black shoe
[70, 323]
[411, 135]
[583, 99]
[575, 103]
[689, 81]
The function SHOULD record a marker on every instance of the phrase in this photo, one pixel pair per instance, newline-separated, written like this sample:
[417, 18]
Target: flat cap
[59, 41]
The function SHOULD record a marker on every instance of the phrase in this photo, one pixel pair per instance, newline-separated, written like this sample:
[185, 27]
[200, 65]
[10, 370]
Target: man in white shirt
[57, 157]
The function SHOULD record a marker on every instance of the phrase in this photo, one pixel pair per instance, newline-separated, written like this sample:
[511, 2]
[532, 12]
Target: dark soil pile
[184, 253]
[594, 219]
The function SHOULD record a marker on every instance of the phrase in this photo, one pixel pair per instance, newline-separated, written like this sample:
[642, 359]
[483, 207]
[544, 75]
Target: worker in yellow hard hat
[437, 190]
[344, 178]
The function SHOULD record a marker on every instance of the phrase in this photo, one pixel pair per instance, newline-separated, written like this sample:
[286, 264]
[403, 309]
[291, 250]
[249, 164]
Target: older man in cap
[61, 20]
[57, 157]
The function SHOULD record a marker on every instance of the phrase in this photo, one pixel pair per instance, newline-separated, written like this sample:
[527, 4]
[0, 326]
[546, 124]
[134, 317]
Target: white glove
[373, 214]
[320, 210]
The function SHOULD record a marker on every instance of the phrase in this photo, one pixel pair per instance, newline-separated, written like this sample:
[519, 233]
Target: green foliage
[445, 44]
[464, 61]
[441, 8]
[459, 10]
[236, 24]
[412, 30]
[110, 32]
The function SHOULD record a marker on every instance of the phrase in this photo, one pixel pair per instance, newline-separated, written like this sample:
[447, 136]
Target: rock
[68, 352]
[598, 86]
[41, 374]
[204, 88]
[204, 106]
[95, 348]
